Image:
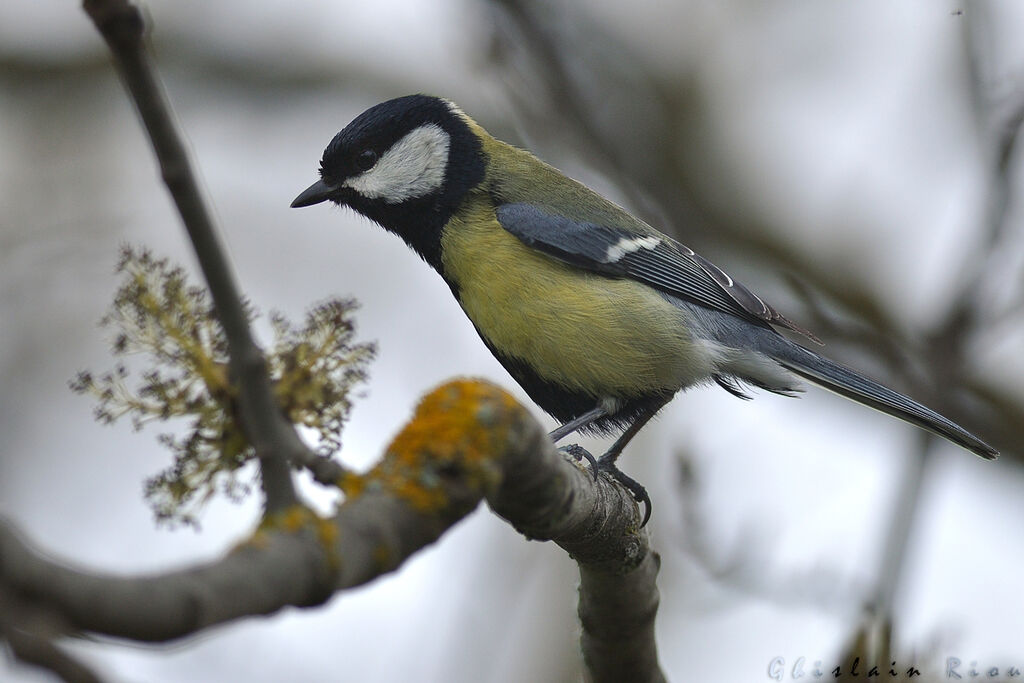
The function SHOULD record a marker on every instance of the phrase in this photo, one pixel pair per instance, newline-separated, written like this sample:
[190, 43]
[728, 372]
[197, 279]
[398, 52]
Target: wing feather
[655, 260]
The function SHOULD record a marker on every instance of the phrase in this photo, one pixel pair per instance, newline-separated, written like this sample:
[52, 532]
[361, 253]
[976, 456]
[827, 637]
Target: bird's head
[406, 163]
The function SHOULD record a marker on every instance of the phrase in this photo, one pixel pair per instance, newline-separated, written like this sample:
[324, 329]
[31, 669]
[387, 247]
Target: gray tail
[849, 384]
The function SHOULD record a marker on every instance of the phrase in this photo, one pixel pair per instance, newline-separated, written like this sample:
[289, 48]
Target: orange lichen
[292, 519]
[327, 532]
[457, 429]
[296, 519]
[351, 484]
[258, 541]
[383, 558]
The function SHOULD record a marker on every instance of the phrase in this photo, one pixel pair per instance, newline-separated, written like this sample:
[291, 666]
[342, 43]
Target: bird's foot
[580, 453]
[607, 464]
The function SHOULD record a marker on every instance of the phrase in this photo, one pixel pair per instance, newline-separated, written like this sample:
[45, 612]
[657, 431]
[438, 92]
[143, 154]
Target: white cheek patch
[627, 245]
[412, 167]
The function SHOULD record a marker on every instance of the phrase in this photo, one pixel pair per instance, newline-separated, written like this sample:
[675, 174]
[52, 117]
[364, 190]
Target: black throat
[418, 221]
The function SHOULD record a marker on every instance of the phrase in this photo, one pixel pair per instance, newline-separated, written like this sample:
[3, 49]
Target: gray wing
[655, 260]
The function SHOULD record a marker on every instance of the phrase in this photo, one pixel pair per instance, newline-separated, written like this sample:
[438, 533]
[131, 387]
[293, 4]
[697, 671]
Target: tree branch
[45, 654]
[30, 632]
[618, 613]
[468, 441]
[272, 437]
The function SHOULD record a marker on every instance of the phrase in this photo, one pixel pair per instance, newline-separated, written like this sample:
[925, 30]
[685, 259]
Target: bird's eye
[366, 159]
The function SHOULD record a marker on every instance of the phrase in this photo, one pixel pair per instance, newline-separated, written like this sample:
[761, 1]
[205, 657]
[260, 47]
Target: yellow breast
[605, 336]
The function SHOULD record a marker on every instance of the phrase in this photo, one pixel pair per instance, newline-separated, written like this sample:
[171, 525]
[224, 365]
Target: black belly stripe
[564, 404]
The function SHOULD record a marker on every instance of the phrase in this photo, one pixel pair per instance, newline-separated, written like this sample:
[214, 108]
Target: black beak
[314, 194]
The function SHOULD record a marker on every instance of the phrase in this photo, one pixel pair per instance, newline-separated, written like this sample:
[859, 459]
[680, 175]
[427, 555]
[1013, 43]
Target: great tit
[598, 316]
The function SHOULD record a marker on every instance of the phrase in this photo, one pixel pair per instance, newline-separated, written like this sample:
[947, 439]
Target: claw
[580, 453]
[632, 485]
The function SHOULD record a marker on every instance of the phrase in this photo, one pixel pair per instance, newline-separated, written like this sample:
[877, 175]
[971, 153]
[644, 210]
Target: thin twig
[30, 631]
[47, 655]
[951, 337]
[747, 565]
[902, 520]
[272, 437]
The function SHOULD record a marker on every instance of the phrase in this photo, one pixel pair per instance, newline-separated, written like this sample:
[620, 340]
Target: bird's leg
[620, 443]
[577, 423]
[606, 463]
[575, 450]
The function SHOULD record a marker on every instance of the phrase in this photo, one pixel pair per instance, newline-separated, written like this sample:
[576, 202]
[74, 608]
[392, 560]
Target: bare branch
[45, 654]
[30, 632]
[999, 141]
[467, 441]
[618, 613]
[324, 469]
[748, 565]
[963, 320]
[273, 438]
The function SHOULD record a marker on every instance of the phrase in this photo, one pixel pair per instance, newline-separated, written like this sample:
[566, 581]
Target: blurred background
[853, 161]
